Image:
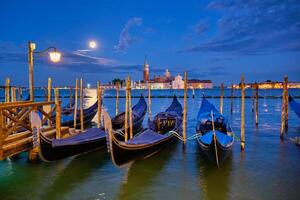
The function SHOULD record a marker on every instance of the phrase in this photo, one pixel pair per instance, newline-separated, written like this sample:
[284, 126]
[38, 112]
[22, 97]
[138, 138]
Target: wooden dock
[16, 133]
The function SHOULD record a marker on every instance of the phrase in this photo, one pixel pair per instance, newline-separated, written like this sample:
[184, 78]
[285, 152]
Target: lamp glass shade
[55, 56]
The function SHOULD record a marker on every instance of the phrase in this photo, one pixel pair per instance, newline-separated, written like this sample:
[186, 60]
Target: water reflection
[141, 174]
[77, 172]
[214, 182]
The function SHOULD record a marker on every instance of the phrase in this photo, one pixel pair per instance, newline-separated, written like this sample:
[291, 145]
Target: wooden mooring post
[13, 94]
[256, 104]
[117, 97]
[149, 100]
[221, 98]
[19, 94]
[99, 98]
[231, 99]
[81, 104]
[286, 106]
[243, 114]
[49, 88]
[76, 104]
[184, 108]
[71, 96]
[126, 111]
[130, 111]
[7, 90]
[58, 114]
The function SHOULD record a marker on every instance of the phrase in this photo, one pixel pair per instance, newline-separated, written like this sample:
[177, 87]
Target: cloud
[77, 61]
[254, 27]
[201, 26]
[125, 39]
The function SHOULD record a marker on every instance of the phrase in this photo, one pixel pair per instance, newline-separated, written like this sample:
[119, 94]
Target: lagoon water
[268, 169]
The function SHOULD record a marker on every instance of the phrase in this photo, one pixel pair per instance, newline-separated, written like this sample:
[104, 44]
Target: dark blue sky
[216, 40]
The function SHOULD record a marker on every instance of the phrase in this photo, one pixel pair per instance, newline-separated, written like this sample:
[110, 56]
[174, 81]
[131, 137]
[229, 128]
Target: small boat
[149, 141]
[138, 113]
[90, 140]
[88, 114]
[215, 137]
[55, 149]
[295, 106]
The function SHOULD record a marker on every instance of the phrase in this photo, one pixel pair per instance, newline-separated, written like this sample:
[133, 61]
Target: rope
[177, 135]
[119, 131]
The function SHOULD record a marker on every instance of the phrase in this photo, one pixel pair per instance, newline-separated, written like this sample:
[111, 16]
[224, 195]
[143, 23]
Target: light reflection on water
[268, 169]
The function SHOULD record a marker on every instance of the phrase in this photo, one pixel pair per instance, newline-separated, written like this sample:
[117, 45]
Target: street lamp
[54, 56]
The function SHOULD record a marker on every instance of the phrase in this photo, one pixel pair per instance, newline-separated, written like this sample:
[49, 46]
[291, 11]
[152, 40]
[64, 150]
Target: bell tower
[146, 71]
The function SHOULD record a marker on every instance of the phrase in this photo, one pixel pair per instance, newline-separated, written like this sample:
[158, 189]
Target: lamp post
[54, 57]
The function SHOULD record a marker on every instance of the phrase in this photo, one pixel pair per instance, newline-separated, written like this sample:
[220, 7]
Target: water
[268, 169]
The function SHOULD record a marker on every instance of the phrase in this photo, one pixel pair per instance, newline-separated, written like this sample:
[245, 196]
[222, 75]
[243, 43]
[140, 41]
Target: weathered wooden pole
[185, 107]
[13, 94]
[19, 94]
[117, 97]
[286, 106]
[76, 104]
[71, 96]
[221, 98]
[282, 128]
[256, 104]
[7, 90]
[81, 104]
[31, 48]
[58, 114]
[231, 99]
[149, 100]
[2, 132]
[126, 112]
[243, 114]
[99, 98]
[130, 111]
[49, 88]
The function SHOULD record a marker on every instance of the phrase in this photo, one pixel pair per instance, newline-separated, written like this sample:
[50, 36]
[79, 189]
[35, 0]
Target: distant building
[167, 81]
[146, 71]
[177, 83]
[167, 74]
[270, 85]
[198, 84]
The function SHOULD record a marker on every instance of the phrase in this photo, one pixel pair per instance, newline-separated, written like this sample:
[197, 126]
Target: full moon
[92, 44]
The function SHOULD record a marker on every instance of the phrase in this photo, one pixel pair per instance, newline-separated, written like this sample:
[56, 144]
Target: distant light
[88, 86]
[55, 56]
[92, 44]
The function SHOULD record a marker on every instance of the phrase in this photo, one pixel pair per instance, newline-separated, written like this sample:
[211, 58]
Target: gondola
[89, 140]
[138, 112]
[295, 106]
[88, 114]
[215, 137]
[149, 141]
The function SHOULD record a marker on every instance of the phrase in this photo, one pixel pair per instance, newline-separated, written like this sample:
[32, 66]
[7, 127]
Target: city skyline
[216, 40]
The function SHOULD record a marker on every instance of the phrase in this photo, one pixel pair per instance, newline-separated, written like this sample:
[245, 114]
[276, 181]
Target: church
[167, 81]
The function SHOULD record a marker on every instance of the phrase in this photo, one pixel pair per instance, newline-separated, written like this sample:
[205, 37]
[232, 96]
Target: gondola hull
[210, 151]
[123, 154]
[48, 152]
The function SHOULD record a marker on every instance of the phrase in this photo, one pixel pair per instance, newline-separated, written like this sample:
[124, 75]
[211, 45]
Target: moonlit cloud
[126, 39]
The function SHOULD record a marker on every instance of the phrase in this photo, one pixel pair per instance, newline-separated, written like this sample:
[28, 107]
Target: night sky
[217, 40]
